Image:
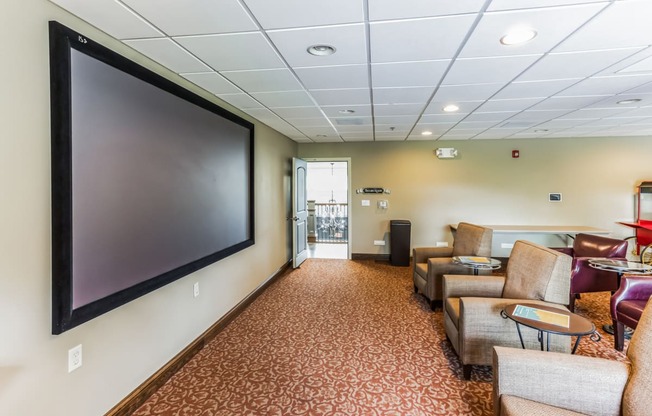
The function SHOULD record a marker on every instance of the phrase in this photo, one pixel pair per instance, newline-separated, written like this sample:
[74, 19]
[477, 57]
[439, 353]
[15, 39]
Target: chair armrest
[457, 286]
[422, 254]
[582, 384]
[631, 288]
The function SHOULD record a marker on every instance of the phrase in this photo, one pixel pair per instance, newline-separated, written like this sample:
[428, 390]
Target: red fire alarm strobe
[515, 154]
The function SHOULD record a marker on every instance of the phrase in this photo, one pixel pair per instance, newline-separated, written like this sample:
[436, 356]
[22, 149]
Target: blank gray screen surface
[158, 182]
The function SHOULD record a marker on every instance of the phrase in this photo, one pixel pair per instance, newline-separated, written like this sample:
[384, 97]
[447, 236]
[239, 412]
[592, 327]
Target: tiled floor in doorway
[327, 251]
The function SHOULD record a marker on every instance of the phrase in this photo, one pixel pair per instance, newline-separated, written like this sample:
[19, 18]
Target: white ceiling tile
[551, 24]
[467, 92]
[309, 122]
[644, 65]
[404, 95]
[517, 104]
[574, 64]
[413, 74]
[418, 40]
[327, 139]
[397, 109]
[194, 17]
[283, 99]
[393, 129]
[488, 70]
[112, 17]
[299, 13]
[443, 118]
[348, 40]
[622, 24]
[637, 112]
[213, 82]
[169, 54]
[349, 97]
[353, 128]
[592, 113]
[542, 115]
[225, 52]
[334, 77]
[495, 116]
[243, 101]
[396, 120]
[392, 9]
[566, 103]
[264, 80]
[315, 132]
[298, 112]
[474, 125]
[606, 85]
[519, 4]
[527, 89]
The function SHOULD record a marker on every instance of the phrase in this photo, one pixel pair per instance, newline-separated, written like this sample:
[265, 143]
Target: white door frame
[349, 200]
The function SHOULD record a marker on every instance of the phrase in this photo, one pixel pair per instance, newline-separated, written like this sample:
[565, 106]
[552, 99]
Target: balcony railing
[331, 223]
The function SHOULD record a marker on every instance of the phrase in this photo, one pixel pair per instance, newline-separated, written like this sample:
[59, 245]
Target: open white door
[299, 212]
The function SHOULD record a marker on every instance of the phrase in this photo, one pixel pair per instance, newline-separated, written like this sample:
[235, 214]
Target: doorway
[328, 208]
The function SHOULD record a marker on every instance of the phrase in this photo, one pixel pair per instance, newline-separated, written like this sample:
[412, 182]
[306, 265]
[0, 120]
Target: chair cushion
[529, 270]
[512, 406]
[588, 245]
[472, 240]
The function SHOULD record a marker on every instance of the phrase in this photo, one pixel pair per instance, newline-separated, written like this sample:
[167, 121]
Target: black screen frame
[64, 317]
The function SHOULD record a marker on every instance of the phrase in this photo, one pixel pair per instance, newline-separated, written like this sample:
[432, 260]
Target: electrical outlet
[506, 245]
[441, 244]
[74, 358]
[379, 242]
[195, 289]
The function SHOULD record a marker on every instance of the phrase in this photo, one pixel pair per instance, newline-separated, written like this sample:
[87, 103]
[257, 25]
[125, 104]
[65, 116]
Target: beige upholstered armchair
[472, 304]
[431, 263]
[543, 383]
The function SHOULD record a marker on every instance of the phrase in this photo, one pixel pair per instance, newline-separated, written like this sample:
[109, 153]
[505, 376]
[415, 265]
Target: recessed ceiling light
[321, 50]
[451, 108]
[517, 36]
[630, 101]
[347, 111]
[321, 136]
[426, 133]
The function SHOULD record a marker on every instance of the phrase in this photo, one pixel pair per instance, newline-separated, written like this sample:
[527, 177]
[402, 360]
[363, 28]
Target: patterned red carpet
[340, 337]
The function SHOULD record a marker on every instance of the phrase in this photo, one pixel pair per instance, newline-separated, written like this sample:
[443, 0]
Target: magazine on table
[474, 260]
[541, 315]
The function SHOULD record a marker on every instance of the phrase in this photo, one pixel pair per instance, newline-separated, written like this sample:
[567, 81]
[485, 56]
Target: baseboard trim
[367, 256]
[136, 398]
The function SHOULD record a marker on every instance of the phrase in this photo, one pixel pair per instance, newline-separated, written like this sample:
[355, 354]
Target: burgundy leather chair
[584, 278]
[627, 305]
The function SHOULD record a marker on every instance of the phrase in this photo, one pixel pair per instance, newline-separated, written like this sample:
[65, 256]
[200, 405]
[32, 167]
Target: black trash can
[399, 242]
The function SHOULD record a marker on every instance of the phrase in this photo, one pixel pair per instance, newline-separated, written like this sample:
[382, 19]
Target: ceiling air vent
[349, 121]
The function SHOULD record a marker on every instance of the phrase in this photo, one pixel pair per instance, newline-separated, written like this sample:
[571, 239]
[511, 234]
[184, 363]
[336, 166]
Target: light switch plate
[366, 203]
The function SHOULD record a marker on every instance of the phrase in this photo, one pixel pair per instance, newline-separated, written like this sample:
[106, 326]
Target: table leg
[577, 342]
[475, 271]
[609, 329]
[518, 328]
[540, 337]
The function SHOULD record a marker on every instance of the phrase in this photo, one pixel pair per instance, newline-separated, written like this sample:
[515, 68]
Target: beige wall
[597, 178]
[125, 346]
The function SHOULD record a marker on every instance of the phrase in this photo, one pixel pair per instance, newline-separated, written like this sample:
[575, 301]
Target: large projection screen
[150, 182]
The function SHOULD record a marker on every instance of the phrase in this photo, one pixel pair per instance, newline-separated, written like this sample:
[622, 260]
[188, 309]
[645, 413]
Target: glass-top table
[477, 263]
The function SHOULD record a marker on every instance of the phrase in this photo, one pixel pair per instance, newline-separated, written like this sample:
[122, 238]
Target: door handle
[292, 218]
